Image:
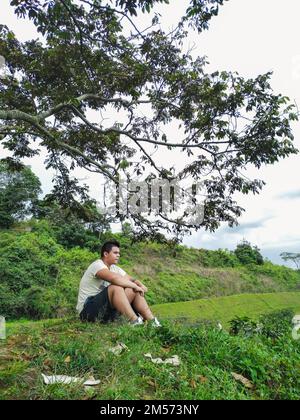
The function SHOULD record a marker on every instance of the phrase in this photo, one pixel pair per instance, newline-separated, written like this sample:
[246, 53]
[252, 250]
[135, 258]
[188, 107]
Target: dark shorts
[99, 308]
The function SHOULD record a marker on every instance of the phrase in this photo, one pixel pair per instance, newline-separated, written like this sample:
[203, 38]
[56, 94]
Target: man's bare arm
[140, 284]
[117, 279]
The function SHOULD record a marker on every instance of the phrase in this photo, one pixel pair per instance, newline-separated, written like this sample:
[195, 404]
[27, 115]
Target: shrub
[38, 277]
[275, 324]
[248, 254]
[218, 258]
[243, 326]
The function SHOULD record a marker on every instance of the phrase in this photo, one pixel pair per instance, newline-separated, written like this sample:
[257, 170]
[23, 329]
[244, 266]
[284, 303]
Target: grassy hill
[198, 273]
[224, 309]
[39, 278]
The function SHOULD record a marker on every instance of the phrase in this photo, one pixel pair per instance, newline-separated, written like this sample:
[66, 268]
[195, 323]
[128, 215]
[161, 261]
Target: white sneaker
[155, 323]
[138, 321]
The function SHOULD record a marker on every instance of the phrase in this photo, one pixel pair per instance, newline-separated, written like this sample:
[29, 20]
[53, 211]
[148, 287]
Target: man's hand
[145, 289]
[138, 289]
[137, 282]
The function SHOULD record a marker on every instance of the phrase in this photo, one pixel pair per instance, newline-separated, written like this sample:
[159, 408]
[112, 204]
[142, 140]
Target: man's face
[113, 256]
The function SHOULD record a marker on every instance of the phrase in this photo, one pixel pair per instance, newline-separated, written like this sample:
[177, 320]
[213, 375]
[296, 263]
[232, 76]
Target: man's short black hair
[108, 246]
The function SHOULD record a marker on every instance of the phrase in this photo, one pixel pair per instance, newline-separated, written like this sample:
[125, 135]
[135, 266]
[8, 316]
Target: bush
[247, 254]
[243, 326]
[11, 304]
[218, 258]
[40, 302]
[38, 277]
[275, 324]
[73, 234]
[27, 259]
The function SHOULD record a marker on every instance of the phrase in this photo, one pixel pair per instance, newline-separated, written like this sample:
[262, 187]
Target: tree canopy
[92, 57]
[292, 256]
[248, 254]
[19, 192]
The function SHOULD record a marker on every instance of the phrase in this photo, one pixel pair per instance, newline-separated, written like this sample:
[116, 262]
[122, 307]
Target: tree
[86, 61]
[291, 256]
[248, 254]
[73, 224]
[19, 190]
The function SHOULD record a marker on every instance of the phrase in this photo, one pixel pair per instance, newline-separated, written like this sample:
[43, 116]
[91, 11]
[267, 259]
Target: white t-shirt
[90, 285]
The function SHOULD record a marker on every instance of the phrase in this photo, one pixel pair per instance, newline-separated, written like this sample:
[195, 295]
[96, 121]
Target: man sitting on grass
[106, 291]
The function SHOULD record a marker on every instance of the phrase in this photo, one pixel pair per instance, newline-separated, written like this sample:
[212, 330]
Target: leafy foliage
[291, 256]
[273, 325]
[248, 254]
[19, 192]
[243, 325]
[78, 225]
[25, 261]
[276, 324]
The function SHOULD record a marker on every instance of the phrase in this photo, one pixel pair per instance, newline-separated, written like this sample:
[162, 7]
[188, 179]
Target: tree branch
[34, 121]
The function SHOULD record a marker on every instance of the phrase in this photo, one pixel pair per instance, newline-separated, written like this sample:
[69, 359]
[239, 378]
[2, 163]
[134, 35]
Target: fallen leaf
[68, 359]
[27, 357]
[119, 349]
[151, 383]
[174, 360]
[47, 362]
[203, 379]
[243, 380]
[193, 384]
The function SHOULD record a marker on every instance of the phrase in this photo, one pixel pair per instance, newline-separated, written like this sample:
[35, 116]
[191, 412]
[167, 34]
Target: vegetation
[224, 309]
[39, 278]
[19, 190]
[84, 59]
[248, 254]
[209, 360]
[292, 256]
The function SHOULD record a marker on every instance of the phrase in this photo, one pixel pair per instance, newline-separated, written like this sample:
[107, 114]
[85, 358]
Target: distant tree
[291, 256]
[248, 254]
[19, 190]
[92, 58]
[74, 223]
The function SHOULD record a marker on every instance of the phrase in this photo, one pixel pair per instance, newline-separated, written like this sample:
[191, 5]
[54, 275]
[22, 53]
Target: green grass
[208, 358]
[224, 309]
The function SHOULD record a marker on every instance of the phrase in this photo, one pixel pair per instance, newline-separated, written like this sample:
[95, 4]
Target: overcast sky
[251, 37]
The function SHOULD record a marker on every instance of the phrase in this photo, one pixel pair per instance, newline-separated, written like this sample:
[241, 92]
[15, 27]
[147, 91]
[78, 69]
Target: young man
[106, 291]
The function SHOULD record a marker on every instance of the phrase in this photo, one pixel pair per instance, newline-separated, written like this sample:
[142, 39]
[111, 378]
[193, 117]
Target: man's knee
[130, 293]
[113, 289]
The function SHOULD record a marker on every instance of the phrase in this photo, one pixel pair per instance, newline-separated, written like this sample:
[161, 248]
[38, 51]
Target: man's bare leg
[139, 303]
[121, 302]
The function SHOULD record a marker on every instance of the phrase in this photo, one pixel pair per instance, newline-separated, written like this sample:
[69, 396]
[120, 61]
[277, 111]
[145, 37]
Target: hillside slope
[224, 309]
[39, 278]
